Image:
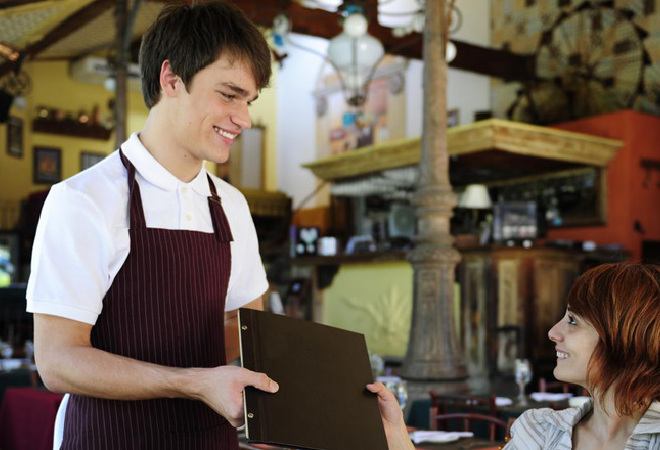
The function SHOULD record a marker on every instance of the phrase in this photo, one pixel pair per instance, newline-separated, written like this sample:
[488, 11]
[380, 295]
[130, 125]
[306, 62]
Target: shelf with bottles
[82, 124]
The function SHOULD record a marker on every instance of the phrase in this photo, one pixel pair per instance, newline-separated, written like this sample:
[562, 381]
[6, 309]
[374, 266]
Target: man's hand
[68, 362]
[221, 388]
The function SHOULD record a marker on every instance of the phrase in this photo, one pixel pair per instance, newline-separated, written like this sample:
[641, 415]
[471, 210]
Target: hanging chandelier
[355, 54]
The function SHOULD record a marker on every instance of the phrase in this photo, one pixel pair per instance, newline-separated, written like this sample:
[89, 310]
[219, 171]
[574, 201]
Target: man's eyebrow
[239, 90]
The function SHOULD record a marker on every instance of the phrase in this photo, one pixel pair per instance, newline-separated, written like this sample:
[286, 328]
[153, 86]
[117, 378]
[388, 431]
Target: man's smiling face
[213, 111]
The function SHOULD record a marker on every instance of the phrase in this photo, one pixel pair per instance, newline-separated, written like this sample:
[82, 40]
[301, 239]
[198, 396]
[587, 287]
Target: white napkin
[550, 396]
[503, 401]
[438, 437]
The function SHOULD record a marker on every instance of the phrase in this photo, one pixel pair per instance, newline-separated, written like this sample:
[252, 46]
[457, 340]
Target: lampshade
[475, 196]
[354, 53]
[451, 51]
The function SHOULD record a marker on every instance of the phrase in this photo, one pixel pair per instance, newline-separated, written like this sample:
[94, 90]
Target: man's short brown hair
[193, 36]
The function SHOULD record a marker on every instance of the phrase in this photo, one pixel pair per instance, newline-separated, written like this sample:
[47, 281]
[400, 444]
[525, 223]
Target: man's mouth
[224, 133]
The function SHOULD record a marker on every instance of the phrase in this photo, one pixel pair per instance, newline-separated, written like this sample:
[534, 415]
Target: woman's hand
[390, 412]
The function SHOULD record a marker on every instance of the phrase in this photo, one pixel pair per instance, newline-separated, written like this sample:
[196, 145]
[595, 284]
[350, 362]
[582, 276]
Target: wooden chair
[494, 423]
[446, 404]
[560, 386]
[553, 386]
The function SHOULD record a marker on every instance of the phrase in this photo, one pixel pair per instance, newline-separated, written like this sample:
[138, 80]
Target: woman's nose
[553, 333]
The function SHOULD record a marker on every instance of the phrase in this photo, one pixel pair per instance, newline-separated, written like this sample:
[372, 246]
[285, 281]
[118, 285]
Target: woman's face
[575, 341]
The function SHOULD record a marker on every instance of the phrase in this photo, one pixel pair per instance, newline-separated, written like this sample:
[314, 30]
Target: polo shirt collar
[151, 170]
[566, 419]
[650, 421]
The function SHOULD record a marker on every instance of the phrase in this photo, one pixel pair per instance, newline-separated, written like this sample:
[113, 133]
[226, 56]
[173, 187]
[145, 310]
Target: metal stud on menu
[322, 371]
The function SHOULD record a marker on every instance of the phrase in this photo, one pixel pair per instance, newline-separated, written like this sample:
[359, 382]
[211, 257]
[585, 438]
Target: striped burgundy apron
[165, 306]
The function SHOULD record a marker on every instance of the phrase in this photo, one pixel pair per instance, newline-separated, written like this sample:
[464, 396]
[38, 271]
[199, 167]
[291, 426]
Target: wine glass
[377, 364]
[6, 351]
[523, 374]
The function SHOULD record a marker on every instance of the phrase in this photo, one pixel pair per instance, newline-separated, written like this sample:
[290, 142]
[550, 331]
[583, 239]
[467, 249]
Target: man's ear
[168, 79]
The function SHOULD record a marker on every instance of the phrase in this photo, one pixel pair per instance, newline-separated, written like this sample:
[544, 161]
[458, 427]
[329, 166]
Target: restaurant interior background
[555, 173]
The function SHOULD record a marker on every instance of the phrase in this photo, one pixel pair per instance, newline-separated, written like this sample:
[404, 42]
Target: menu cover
[322, 371]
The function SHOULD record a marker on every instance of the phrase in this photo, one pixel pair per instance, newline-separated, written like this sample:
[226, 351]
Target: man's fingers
[262, 382]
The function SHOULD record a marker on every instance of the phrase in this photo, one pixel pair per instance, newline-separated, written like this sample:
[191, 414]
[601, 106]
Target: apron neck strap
[135, 210]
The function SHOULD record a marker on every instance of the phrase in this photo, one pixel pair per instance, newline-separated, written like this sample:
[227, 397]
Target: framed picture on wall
[88, 159]
[47, 168]
[15, 137]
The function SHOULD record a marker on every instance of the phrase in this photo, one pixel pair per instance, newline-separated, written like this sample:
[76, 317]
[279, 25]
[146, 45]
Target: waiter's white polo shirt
[82, 238]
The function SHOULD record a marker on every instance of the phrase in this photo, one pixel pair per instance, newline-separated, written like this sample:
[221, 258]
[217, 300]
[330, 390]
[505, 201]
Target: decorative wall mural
[591, 57]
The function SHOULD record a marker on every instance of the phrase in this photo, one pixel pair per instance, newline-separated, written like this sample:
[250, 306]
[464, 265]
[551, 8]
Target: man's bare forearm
[96, 373]
[67, 362]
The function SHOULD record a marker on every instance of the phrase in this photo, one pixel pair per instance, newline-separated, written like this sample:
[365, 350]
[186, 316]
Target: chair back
[463, 403]
[546, 385]
[553, 386]
[494, 423]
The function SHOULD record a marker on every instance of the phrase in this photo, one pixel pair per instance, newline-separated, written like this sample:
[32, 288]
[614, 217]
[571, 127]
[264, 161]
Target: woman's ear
[168, 79]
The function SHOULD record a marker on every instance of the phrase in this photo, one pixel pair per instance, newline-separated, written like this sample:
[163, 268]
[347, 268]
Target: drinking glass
[523, 375]
[6, 351]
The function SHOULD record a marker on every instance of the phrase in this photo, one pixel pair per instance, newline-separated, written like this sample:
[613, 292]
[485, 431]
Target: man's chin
[218, 157]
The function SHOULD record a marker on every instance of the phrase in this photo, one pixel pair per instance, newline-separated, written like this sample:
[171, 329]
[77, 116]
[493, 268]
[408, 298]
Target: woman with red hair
[607, 342]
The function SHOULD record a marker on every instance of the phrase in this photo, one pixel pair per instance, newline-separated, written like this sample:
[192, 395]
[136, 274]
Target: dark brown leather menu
[322, 371]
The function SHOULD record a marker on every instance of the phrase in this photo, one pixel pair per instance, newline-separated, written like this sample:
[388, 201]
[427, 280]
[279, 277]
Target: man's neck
[159, 142]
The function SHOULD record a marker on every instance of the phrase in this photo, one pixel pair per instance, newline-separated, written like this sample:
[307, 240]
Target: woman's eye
[571, 320]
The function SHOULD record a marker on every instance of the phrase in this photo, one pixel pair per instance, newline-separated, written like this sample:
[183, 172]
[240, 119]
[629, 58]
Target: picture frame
[89, 158]
[15, 137]
[47, 165]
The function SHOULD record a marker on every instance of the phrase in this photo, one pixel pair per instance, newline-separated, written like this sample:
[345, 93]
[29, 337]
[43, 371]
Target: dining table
[418, 415]
[461, 444]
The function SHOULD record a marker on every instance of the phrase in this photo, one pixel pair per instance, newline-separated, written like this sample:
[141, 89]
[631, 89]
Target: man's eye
[228, 96]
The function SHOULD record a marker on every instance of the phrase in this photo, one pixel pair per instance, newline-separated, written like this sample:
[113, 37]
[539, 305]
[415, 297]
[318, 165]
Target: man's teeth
[562, 355]
[224, 133]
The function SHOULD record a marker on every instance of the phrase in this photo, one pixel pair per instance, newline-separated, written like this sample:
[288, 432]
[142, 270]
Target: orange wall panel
[629, 198]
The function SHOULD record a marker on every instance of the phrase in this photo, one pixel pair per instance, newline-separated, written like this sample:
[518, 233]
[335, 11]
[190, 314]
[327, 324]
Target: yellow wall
[264, 112]
[376, 299]
[53, 87]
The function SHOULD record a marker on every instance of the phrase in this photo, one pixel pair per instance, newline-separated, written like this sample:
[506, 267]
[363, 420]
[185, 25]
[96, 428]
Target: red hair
[622, 302]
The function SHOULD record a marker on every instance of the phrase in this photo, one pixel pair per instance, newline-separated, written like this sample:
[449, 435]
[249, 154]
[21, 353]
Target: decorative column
[124, 24]
[434, 357]
[121, 59]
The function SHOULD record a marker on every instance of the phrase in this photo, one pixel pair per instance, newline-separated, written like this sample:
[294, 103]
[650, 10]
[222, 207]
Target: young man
[136, 260]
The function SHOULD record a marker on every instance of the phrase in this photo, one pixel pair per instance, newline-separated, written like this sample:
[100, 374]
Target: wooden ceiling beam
[72, 23]
[317, 22]
[12, 3]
